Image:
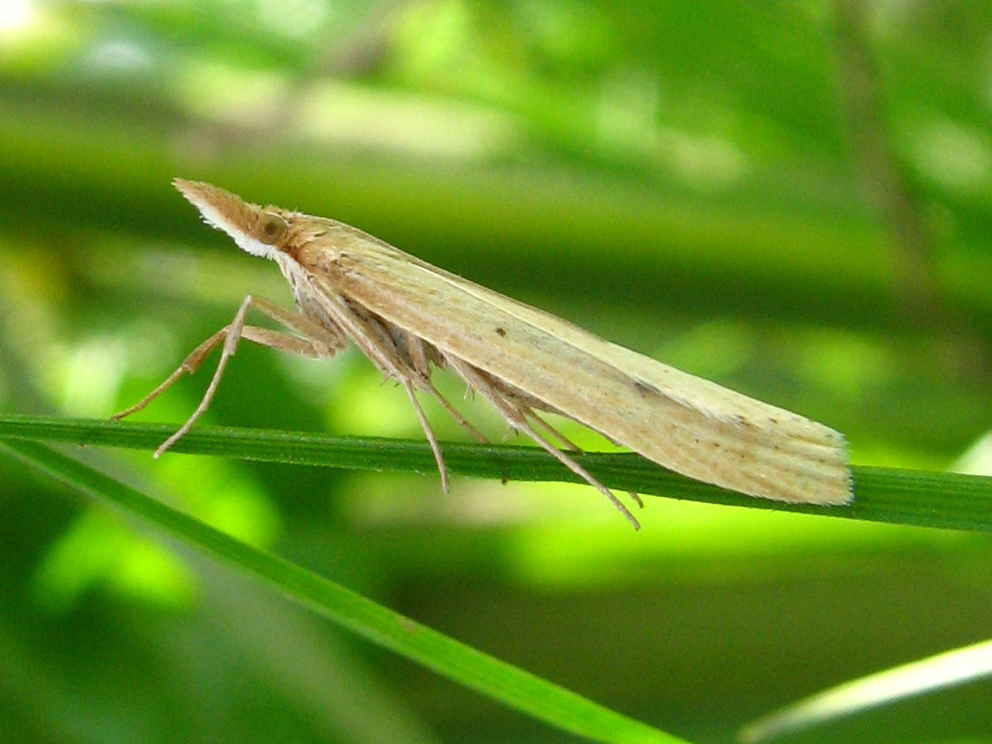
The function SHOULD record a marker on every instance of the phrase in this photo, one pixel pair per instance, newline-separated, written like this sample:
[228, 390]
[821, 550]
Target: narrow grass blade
[916, 678]
[913, 497]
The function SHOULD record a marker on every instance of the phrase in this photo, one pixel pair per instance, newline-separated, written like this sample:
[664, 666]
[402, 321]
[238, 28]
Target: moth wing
[690, 425]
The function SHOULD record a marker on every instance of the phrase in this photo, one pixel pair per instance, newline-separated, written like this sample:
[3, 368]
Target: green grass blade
[937, 672]
[496, 679]
[929, 499]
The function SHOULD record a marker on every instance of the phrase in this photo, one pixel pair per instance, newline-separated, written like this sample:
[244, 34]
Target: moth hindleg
[636, 497]
[516, 416]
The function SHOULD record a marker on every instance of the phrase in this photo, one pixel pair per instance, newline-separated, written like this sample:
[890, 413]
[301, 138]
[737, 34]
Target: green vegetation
[793, 200]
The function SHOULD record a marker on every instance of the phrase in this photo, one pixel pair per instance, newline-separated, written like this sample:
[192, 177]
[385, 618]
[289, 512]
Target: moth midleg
[367, 333]
[428, 432]
[315, 342]
[406, 363]
[517, 418]
[421, 355]
[419, 358]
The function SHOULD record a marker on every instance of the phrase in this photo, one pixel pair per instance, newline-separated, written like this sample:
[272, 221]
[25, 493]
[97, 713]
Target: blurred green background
[792, 199]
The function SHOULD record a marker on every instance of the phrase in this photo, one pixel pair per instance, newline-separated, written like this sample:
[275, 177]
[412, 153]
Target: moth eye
[270, 228]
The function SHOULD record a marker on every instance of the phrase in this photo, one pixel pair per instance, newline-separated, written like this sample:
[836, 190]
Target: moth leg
[285, 342]
[329, 337]
[635, 497]
[317, 343]
[429, 433]
[190, 364]
[389, 352]
[416, 371]
[232, 333]
[455, 413]
[261, 336]
[419, 356]
[549, 429]
[367, 333]
[517, 418]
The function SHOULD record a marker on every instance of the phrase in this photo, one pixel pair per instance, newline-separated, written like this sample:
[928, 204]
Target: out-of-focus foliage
[792, 199]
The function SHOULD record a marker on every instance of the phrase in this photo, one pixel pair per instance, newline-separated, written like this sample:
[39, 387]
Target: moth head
[254, 229]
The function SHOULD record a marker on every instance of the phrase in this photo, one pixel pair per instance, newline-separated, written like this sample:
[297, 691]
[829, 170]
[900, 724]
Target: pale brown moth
[407, 317]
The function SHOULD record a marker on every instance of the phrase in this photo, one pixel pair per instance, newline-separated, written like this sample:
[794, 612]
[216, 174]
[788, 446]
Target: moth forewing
[688, 424]
[407, 315]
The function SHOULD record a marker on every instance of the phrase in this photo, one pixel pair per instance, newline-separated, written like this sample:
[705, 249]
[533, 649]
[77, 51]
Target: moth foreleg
[326, 339]
[190, 364]
[318, 343]
[304, 347]
[232, 333]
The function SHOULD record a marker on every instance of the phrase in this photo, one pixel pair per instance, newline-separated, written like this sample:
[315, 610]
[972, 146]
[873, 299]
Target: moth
[409, 317]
